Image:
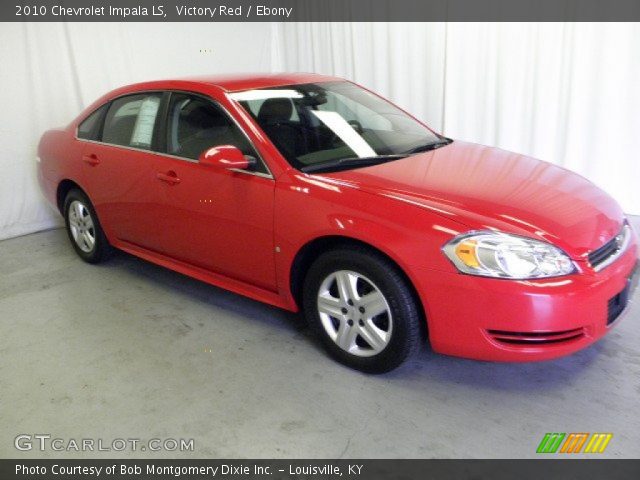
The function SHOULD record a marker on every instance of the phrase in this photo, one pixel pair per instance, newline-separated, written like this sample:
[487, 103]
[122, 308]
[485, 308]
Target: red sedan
[312, 193]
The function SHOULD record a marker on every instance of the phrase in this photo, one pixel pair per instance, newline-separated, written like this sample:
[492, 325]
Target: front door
[221, 221]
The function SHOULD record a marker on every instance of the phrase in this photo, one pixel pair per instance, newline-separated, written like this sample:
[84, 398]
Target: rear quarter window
[89, 129]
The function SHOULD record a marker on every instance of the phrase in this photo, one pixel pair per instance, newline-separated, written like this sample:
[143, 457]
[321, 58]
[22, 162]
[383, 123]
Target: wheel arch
[64, 187]
[309, 252]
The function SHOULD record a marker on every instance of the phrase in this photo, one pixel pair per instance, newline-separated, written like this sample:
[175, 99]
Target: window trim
[159, 147]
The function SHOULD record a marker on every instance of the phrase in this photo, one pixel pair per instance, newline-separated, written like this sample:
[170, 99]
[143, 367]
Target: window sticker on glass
[143, 130]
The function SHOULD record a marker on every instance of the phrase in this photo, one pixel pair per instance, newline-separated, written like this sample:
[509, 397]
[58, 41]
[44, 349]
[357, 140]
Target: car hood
[483, 187]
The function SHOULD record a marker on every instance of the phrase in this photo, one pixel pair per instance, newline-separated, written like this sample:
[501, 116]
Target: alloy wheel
[354, 313]
[81, 225]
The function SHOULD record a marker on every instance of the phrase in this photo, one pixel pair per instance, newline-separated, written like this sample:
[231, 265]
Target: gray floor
[131, 350]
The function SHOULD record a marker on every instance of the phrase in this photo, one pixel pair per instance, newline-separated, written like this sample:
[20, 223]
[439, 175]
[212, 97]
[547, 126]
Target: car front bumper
[519, 321]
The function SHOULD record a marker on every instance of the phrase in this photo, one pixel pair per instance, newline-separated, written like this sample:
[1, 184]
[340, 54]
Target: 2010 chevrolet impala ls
[312, 193]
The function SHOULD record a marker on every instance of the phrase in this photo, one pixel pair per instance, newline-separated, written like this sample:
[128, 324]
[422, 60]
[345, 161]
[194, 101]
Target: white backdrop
[567, 93]
[50, 72]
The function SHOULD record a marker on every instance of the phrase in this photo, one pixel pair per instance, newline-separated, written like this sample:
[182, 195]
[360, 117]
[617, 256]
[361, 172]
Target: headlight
[495, 254]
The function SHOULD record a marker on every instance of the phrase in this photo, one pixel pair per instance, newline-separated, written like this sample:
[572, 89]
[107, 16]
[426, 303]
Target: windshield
[334, 123]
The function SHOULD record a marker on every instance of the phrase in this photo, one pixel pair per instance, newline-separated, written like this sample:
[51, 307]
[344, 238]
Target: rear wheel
[362, 308]
[84, 229]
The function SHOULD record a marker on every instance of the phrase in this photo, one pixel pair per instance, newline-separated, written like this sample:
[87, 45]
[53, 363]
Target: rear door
[120, 173]
[221, 221]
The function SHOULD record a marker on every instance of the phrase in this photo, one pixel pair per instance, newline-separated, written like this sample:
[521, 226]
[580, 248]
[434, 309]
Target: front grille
[536, 338]
[601, 254]
[607, 253]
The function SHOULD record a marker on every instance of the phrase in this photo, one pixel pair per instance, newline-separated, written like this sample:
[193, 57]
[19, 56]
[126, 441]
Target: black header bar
[320, 10]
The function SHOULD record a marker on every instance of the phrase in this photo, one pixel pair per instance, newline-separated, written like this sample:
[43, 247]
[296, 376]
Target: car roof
[249, 81]
[227, 83]
[244, 81]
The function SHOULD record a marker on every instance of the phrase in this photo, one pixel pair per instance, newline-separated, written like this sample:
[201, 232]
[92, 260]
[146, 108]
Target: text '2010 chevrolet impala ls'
[312, 193]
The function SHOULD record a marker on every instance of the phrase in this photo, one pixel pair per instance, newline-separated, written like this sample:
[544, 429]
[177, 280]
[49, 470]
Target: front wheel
[362, 308]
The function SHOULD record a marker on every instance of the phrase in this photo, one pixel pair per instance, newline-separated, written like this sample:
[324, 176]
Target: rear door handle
[92, 159]
[170, 177]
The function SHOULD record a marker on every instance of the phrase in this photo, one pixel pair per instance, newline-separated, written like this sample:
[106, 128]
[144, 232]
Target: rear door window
[131, 120]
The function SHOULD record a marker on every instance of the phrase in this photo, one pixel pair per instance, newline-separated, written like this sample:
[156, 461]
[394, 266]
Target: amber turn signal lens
[466, 252]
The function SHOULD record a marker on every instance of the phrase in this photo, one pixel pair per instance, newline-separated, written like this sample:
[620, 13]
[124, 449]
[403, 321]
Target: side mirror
[226, 157]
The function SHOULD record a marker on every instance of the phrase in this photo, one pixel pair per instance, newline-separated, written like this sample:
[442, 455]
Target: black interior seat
[120, 131]
[202, 128]
[275, 118]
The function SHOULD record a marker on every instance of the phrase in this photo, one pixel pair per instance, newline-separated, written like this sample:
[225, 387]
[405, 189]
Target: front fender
[308, 208]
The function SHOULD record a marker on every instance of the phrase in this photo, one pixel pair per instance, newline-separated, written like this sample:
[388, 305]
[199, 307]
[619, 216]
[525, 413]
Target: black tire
[406, 334]
[100, 250]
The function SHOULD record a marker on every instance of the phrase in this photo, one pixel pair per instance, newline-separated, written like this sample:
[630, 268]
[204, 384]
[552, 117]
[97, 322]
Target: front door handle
[170, 177]
[92, 159]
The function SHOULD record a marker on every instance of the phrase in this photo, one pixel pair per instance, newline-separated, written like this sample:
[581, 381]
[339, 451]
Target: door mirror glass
[226, 157]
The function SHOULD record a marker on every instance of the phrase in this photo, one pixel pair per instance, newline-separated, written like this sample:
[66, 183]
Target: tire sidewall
[403, 314]
[97, 252]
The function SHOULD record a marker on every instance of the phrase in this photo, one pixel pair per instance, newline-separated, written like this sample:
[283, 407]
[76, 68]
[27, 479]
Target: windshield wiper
[429, 146]
[350, 162]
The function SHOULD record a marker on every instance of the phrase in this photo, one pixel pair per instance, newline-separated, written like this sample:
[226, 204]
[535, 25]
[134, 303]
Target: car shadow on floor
[203, 292]
[426, 368]
[547, 375]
